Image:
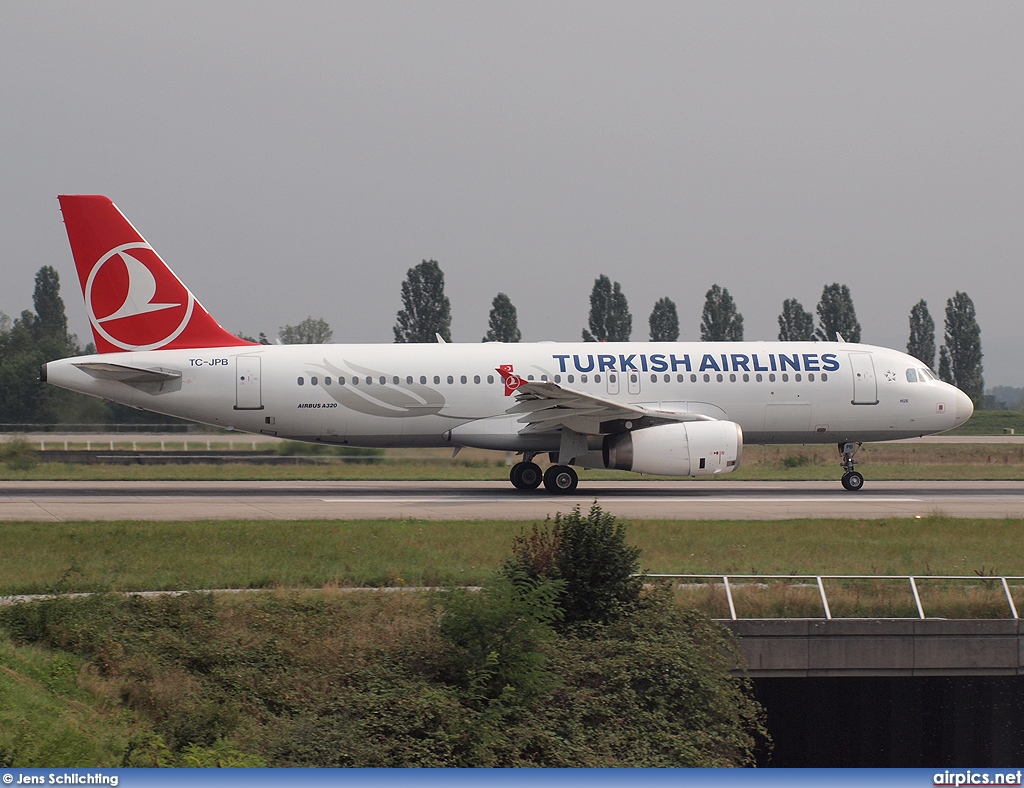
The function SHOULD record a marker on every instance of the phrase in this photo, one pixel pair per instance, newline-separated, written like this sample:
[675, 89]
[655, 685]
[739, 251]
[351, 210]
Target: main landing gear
[852, 480]
[527, 475]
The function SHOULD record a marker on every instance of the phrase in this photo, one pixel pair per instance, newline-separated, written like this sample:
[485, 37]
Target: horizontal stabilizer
[152, 380]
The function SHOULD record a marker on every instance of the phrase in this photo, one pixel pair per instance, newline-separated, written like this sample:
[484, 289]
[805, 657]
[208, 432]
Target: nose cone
[964, 408]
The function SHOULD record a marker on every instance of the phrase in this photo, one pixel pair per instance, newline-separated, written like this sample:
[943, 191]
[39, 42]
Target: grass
[48, 718]
[880, 461]
[130, 556]
[992, 422]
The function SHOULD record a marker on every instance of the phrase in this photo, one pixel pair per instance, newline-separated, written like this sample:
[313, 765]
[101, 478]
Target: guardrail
[175, 427]
[819, 581]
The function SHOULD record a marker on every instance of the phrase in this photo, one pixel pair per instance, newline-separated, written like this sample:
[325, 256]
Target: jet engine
[688, 448]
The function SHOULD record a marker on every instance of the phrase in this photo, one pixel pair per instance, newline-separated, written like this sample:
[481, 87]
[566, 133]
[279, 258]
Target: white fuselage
[452, 394]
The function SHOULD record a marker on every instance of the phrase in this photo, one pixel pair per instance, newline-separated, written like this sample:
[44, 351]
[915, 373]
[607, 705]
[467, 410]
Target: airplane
[672, 409]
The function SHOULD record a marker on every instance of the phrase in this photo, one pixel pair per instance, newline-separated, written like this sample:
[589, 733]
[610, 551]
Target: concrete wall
[932, 647]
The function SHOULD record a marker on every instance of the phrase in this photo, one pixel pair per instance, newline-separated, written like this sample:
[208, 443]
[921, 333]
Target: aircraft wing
[549, 407]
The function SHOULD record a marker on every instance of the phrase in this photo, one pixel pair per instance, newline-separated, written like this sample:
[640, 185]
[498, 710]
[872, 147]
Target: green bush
[497, 639]
[589, 554]
[18, 455]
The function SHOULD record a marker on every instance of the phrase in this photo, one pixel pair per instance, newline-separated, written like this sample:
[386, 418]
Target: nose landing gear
[852, 480]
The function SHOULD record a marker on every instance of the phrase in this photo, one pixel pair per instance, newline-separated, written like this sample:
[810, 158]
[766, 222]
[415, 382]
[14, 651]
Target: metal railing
[84, 429]
[818, 580]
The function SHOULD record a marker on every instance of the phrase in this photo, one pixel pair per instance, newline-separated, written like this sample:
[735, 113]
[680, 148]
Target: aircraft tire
[526, 476]
[560, 479]
[853, 481]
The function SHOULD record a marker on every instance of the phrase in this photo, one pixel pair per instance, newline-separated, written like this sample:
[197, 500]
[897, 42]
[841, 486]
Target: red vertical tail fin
[134, 301]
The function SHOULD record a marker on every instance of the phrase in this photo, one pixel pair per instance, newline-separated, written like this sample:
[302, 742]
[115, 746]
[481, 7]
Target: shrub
[497, 639]
[18, 455]
[589, 554]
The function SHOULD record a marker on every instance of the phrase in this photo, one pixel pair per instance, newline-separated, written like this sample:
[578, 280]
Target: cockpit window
[911, 376]
[925, 374]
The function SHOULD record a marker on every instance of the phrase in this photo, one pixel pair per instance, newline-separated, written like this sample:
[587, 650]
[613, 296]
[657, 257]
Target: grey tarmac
[467, 500]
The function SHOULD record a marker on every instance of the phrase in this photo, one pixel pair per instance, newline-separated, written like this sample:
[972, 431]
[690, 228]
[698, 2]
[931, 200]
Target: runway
[724, 500]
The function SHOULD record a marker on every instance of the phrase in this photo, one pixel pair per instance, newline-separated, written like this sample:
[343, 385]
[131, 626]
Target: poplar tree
[28, 341]
[426, 311]
[963, 347]
[720, 321]
[610, 320]
[503, 322]
[664, 321]
[921, 344]
[836, 315]
[795, 324]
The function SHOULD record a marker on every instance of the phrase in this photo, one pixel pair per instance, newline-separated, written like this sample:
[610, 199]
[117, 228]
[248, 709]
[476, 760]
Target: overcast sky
[295, 159]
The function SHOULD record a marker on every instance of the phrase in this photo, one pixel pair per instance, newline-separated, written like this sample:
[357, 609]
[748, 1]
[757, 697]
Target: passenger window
[771, 378]
[746, 378]
[693, 378]
[312, 381]
[810, 376]
[341, 381]
[796, 377]
[759, 377]
[408, 380]
[450, 380]
[355, 381]
[476, 378]
[463, 379]
[824, 376]
[707, 378]
[654, 378]
[327, 381]
[911, 376]
[583, 378]
[571, 379]
[396, 380]
[301, 381]
[732, 378]
[611, 378]
[369, 381]
[490, 378]
[597, 378]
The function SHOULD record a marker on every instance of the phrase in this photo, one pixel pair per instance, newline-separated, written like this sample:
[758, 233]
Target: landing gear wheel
[525, 476]
[560, 479]
[852, 480]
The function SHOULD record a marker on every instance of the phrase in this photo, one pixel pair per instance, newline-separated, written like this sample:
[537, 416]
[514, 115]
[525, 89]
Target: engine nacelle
[688, 448]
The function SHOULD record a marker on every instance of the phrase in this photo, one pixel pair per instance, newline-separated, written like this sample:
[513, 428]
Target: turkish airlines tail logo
[512, 380]
[134, 301]
[141, 291]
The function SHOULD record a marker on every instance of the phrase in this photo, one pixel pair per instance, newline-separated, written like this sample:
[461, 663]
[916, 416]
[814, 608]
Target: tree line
[41, 335]
[426, 314]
